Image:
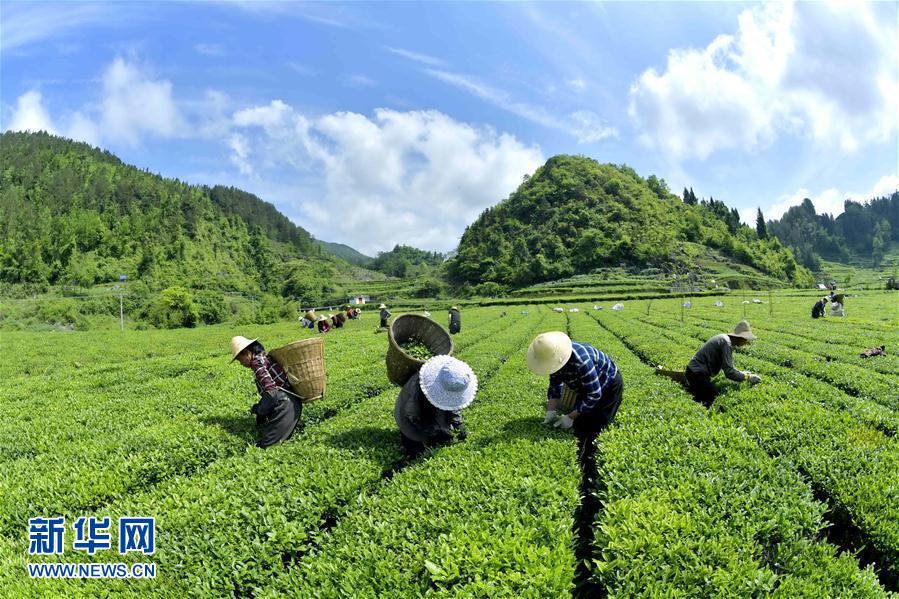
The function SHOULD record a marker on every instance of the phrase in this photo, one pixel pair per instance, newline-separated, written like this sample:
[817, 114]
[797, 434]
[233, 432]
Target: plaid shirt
[588, 371]
[269, 374]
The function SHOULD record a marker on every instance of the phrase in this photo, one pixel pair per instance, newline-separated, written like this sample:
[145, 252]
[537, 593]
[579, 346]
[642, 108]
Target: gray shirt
[715, 355]
[421, 421]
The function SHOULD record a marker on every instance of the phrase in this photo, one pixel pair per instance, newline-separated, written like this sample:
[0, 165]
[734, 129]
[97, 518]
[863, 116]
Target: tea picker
[819, 308]
[279, 408]
[713, 357]
[323, 326]
[435, 386]
[385, 314]
[428, 410]
[455, 320]
[591, 376]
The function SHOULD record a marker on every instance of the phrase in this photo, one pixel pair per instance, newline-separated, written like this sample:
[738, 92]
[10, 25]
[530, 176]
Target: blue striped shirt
[588, 371]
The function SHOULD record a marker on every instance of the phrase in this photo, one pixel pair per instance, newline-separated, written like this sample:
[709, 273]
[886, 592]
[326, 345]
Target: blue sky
[374, 124]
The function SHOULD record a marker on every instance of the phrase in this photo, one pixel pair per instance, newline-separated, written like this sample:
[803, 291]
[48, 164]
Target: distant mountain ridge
[345, 252]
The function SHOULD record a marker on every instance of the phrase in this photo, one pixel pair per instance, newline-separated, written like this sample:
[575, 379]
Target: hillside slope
[345, 252]
[71, 214]
[575, 215]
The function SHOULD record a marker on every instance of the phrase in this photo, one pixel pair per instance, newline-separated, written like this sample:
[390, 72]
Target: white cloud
[577, 84]
[825, 71]
[240, 154]
[415, 177]
[210, 49]
[30, 114]
[424, 59]
[25, 23]
[134, 104]
[301, 69]
[585, 126]
[359, 81]
[129, 106]
[828, 201]
[589, 128]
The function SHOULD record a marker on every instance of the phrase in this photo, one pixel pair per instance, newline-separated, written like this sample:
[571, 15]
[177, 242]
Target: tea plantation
[788, 488]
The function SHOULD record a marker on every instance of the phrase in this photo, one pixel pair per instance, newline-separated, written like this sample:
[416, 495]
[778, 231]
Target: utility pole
[122, 279]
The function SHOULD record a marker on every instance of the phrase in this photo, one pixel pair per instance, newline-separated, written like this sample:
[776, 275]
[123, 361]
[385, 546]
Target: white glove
[754, 378]
[550, 417]
[565, 423]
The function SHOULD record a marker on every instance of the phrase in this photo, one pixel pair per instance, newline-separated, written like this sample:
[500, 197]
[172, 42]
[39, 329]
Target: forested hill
[863, 232]
[574, 215]
[406, 261]
[345, 252]
[73, 214]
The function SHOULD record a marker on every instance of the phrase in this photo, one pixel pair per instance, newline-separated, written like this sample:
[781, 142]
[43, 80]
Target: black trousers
[383, 323]
[589, 424]
[701, 386]
[602, 415]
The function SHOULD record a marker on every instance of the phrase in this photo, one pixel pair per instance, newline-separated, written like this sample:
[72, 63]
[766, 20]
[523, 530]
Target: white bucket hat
[238, 344]
[448, 383]
[382, 306]
[549, 352]
[743, 330]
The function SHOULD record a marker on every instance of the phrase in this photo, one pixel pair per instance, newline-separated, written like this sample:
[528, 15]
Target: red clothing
[323, 326]
[269, 374]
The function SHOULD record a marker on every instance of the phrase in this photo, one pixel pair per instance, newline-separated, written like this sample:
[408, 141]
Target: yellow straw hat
[549, 352]
[238, 344]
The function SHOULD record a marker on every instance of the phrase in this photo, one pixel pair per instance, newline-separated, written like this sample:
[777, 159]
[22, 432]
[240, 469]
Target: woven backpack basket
[304, 363]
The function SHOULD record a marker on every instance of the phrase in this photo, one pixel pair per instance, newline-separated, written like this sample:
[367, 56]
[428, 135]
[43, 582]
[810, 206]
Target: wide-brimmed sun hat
[448, 383]
[382, 306]
[454, 308]
[322, 318]
[743, 330]
[549, 352]
[238, 344]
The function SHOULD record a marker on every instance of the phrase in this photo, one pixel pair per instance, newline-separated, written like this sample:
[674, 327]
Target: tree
[174, 308]
[760, 228]
[691, 198]
[880, 242]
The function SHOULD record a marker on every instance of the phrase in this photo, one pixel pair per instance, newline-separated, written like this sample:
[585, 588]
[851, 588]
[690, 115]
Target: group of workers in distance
[428, 409]
[309, 320]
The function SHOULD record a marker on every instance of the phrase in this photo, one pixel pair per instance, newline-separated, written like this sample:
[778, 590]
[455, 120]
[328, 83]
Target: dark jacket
[384, 316]
[818, 309]
[715, 355]
[455, 322]
[420, 421]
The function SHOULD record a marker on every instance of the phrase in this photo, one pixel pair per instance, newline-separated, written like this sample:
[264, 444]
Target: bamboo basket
[304, 363]
[567, 401]
[400, 365]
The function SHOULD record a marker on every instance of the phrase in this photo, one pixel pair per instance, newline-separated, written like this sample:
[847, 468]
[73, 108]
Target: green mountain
[575, 215]
[71, 214]
[345, 252]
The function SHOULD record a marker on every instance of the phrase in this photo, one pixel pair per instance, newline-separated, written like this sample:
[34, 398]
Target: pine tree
[760, 228]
